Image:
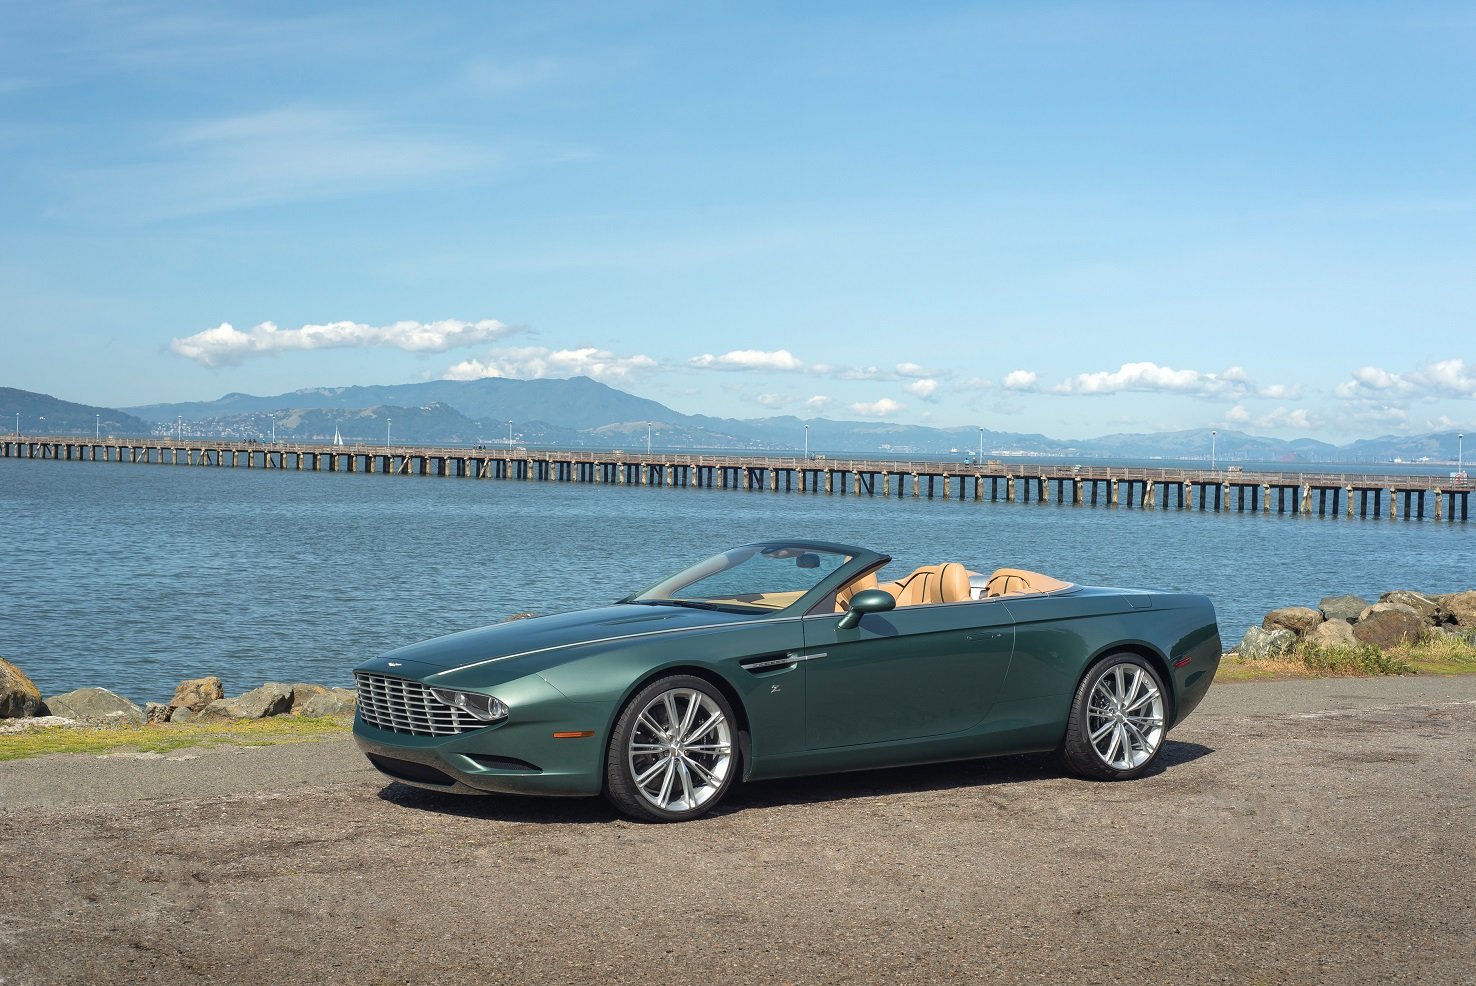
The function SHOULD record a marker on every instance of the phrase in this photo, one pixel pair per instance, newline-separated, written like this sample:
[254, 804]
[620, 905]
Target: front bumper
[519, 755]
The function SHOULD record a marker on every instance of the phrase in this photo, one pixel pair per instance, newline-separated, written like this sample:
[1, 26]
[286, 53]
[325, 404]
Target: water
[135, 577]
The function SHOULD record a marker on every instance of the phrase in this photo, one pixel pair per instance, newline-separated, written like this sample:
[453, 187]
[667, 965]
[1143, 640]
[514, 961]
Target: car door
[910, 673]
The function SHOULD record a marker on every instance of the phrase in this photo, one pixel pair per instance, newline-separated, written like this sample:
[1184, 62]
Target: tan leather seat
[931, 584]
[1016, 581]
[843, 596]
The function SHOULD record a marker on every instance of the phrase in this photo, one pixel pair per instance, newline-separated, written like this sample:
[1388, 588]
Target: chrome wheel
[680, 750]
[1125, 716]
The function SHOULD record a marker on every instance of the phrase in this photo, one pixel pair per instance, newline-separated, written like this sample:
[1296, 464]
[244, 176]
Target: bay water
[134, 577]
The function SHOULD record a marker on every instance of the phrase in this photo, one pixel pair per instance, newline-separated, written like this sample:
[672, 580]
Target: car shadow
[991, 772]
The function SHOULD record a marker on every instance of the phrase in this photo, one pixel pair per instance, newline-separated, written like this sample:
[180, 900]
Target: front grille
[405, 706]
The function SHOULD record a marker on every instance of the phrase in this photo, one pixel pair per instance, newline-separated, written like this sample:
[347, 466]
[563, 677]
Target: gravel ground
[1298, 832]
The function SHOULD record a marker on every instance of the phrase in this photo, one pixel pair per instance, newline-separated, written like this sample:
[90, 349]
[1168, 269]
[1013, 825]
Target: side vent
[768, 662]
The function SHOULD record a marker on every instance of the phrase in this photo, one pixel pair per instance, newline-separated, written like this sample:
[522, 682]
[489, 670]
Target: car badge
[394, 664]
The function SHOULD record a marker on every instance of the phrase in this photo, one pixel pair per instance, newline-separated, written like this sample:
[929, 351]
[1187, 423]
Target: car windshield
[759, 578]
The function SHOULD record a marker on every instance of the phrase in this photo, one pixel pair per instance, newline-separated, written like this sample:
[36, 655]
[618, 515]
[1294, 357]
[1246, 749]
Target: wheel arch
[1150, 654]
[708, 675]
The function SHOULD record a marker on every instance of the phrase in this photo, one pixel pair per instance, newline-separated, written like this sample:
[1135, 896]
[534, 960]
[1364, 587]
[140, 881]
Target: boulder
[19, 696]
[1345, 608]
[1389, 625]
[1461, 606]
[1298, 619]
[1465, 635]
[1259, 644]
[1428, 609]
[182, 714]
[333, 702]
[304, 692]
[271, 699]
[1332, 633]
[196, 693]
[1389, 608]
[95, 705]
[156, 712]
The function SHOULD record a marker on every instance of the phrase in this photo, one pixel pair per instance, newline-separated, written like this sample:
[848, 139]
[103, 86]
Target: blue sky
[1071, 218]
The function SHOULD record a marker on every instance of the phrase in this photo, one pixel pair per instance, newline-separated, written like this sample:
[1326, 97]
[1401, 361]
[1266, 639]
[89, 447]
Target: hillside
[36, 414]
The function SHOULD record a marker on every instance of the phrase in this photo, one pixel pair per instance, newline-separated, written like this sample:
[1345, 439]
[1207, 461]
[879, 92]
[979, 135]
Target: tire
[657, 773]
[1117, 724]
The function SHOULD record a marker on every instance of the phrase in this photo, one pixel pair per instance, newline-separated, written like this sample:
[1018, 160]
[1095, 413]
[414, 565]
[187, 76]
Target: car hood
[541, 635]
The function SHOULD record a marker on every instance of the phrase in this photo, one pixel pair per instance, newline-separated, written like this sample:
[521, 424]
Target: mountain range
[582, 412]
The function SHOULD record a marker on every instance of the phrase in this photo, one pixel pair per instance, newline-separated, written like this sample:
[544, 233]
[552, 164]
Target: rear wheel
[673, 753]
[1117, 724]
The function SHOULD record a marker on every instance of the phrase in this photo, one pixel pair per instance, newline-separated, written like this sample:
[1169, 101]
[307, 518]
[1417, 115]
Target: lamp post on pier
[97, 427]
[648, 438]
[1461, 454]
[509, 436]
[807, 441]
[980, 460]
[178, 428]
[387, 423]
[1213, 435]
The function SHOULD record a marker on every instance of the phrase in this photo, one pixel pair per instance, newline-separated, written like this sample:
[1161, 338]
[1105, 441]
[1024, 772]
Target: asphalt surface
[1299, 832]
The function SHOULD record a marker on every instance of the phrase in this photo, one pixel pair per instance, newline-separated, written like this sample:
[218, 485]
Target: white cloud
[749, 359]
[536, 362]
[817, 403]
[1020, 380]
[1147, 376]
[912, 370]
[773, 400]
[227, 345]
[1238, 415]
[1442, 378]
[924, 389]
[878, 408]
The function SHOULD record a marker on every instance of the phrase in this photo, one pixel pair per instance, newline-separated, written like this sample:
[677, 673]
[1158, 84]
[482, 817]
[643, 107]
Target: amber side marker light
[583, 734]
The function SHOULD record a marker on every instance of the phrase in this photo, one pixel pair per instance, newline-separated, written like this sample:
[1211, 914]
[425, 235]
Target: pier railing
[1231, 488]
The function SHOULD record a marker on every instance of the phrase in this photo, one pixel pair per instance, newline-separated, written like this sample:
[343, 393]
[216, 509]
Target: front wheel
[1116, 727]
[672, 756]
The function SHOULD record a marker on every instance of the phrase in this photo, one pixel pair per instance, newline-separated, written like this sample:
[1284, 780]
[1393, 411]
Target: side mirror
[863, 602]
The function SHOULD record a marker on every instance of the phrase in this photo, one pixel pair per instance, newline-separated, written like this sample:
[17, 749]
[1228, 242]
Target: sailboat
[337, 438]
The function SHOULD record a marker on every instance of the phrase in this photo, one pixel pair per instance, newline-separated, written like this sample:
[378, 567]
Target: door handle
[986, 635]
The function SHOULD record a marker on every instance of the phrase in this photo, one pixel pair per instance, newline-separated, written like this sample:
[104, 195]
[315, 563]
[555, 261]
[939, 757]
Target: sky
[1066, 218]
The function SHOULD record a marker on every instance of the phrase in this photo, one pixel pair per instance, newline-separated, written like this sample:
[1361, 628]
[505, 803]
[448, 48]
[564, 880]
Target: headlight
[483, 707]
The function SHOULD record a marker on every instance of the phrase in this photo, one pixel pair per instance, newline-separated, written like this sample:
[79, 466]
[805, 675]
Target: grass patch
[164, 738]
[1434, 654]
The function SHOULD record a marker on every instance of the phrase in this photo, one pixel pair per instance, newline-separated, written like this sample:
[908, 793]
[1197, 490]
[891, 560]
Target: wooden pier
[1317, 494]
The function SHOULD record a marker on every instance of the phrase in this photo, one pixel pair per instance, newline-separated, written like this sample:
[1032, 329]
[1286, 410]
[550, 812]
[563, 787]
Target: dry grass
[164, 738]
[1432, 655]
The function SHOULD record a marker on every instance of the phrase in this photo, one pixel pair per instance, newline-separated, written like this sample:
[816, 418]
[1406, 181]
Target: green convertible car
[785, 658]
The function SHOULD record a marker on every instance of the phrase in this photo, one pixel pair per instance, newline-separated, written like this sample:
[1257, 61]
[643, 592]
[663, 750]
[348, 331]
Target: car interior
[951, 582]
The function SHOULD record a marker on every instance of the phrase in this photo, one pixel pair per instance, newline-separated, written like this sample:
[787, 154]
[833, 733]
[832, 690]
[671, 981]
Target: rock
[1298, 619]
[304, 692]
[333, 702]
[1428, 609]
[182, 714]
[95, 705]
[517, 616]
[1466, 635]
[271, 699]
[156, 712]
[1389, 625]
[19, 696]
[1332, 633]
[1259, 644]
[1345, 608]
[1388, 608]
[196, 693]
[1461, 606]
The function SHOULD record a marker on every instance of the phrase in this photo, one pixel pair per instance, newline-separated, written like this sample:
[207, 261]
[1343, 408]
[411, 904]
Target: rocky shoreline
[1400, 618]
[196, 700]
